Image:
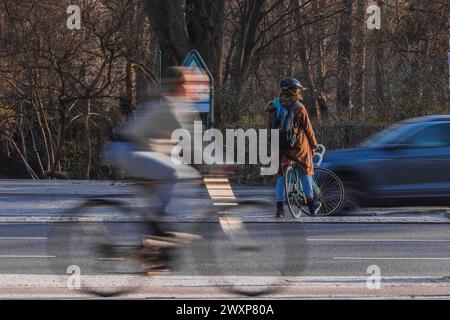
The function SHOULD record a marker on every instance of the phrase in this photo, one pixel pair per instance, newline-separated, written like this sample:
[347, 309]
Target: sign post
[205, 105]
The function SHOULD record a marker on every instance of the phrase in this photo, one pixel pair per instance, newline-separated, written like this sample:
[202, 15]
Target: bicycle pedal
[179, 236]
[159, 243]
[158, 270]
[158, 273]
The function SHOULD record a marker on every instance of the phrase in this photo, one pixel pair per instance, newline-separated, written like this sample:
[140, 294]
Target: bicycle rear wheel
[243, 258]
[329, 190]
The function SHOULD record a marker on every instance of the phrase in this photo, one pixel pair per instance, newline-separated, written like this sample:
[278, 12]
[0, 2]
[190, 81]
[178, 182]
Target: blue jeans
[306, 184]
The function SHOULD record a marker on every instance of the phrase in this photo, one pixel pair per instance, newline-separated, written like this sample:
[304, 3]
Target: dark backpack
[284, 121]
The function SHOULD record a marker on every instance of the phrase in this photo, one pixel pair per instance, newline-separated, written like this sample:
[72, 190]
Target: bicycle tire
[79, 241]
[329, 190]
[240, 253]
[292, 192]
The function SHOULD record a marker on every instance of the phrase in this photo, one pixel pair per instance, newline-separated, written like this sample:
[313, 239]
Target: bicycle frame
[301, 194]
[316, 189]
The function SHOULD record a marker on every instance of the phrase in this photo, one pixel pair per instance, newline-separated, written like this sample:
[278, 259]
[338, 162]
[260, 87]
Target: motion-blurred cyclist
[144, 151]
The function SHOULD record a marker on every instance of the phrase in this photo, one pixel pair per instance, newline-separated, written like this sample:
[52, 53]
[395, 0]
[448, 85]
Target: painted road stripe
[379, 240]
[223, 180]
[388, 258]
[23, 238]
[27, 256]
[222, 197]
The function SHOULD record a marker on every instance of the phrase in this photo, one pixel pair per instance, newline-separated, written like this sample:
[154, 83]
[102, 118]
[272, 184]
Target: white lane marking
[23, 238]
[388, 258]
[379, 240]
[26, 256]
[224, 180]
[222, 197]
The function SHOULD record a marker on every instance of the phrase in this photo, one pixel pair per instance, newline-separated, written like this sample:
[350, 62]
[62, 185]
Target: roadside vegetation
[63, 91]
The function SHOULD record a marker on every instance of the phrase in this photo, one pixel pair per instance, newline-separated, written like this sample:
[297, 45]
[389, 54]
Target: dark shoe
[314, 206]
[280, 210]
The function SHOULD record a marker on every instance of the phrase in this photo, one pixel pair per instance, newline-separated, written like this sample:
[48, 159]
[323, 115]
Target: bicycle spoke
[329, 199]
[332, 199]
[325, 186]
[326, 206]
[331, 184]
[328, 190]
[330, 187]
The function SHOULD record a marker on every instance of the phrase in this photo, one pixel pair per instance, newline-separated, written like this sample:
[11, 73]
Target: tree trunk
[344, 57]
[205, 25]
[319, 70]
[360, 57]
[245, 44]
[127, 104]
[167, 19]
[311, 93]
[86, 164]
[379, 70]
[61, 135]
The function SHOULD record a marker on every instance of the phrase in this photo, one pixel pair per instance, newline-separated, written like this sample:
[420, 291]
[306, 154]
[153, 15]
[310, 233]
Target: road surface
[337, 257]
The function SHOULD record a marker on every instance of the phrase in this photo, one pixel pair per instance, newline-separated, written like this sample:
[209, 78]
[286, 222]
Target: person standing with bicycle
[297, 140]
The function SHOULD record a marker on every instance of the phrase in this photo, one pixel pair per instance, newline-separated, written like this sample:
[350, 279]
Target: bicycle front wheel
[246, 259]
[295, 198]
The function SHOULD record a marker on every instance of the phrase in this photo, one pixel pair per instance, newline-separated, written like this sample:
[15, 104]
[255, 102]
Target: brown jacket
[302, 152]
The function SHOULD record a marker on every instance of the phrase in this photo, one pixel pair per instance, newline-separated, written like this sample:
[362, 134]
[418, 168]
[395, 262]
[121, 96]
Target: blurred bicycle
[117, 254]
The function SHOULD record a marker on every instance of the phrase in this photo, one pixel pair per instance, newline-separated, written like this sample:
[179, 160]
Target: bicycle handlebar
[319, 154]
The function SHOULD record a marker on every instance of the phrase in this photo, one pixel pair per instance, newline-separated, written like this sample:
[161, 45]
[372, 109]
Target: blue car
[406, 164]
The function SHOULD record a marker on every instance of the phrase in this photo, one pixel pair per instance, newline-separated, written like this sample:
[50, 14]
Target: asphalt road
[307, 260]
[315, 255]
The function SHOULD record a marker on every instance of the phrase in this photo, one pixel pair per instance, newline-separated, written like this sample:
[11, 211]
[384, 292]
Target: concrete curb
[249, 219]
[19, 280]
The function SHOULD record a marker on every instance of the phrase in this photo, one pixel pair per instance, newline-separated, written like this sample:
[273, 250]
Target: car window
[389, 135]
[431, 137]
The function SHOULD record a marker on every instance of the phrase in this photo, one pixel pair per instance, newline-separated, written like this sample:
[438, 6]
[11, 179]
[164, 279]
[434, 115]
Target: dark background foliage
[62, 91]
